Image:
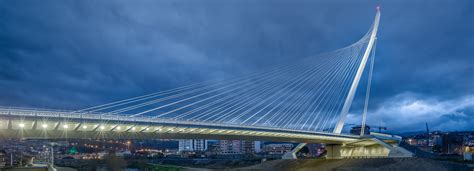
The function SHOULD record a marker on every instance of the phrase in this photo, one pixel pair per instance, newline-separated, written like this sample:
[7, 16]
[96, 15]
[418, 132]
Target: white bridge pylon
[355, 83]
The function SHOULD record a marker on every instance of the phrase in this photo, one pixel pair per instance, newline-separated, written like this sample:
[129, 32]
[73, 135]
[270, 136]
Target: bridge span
[36, 123]
[305, 101]
[52, 124]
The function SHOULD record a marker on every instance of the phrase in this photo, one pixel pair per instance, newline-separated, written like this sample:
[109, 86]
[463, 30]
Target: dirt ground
[378, 164]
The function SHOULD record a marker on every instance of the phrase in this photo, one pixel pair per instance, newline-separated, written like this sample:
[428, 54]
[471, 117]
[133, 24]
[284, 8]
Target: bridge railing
[32, 109]
[90, 116]
[46, 114]
[71, 114]
[389, 136]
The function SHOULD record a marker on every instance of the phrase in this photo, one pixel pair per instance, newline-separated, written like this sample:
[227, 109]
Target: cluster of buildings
[192, 145]
[28, 152]
[443, 142]
[242, 147]
[229, 147]
[23, 153]
[222, 147]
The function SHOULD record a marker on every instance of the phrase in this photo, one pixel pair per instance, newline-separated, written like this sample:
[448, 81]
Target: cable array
[307, 94]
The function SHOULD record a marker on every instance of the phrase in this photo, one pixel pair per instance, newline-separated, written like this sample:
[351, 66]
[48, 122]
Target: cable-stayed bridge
[301, 101]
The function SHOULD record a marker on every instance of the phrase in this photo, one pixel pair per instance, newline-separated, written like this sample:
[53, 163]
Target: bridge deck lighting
[134, 128]
[65, 126]
[44, 125]
[118, 128]
[102, 127]
[22, 125]
[84, 127]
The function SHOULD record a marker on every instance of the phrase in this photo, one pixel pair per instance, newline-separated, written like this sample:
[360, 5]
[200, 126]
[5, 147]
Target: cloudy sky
[68, 54]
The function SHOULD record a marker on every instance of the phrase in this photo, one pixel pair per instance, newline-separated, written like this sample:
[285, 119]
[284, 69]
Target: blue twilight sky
[69, 54]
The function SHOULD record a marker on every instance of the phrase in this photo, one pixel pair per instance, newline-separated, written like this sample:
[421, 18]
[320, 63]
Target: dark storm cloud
[73, 54]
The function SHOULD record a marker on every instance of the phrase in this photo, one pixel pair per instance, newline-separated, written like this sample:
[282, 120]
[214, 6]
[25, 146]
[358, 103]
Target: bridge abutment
[367, 148]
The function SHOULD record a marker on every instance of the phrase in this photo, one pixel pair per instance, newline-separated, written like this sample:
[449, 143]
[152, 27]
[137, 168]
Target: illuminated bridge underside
[51, 124]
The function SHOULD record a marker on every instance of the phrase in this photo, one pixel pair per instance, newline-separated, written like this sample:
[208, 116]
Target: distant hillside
[407, 134]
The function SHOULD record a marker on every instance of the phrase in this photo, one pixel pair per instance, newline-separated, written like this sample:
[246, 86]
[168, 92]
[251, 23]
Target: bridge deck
[34, 123]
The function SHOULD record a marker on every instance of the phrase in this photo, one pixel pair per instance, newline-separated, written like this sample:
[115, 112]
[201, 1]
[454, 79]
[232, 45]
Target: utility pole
[427, 135]
[52, 157]
[51, 160]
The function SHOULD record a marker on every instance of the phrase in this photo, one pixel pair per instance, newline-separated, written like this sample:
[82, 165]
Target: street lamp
[128, 145]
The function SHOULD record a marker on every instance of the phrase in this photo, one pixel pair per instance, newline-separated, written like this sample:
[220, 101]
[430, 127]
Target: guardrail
[382, 135]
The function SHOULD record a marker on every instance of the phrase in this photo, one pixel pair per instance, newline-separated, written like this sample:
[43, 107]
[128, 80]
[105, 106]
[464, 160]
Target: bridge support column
[291, 155]
[333, 151]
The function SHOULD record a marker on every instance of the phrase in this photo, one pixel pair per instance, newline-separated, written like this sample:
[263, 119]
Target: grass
[158, 167]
